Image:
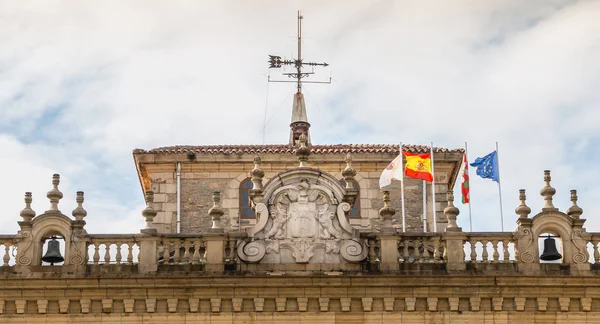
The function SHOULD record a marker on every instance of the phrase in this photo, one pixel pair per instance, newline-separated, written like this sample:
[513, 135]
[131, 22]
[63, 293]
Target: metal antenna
[277, 62]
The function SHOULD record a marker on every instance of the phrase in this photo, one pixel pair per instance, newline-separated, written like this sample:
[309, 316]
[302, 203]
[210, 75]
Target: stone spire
[299, 124]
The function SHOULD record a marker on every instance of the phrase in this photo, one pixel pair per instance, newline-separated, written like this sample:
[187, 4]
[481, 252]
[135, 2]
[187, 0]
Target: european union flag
[487, 166]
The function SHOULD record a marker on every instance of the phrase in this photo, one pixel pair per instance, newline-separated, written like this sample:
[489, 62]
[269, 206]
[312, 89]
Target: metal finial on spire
[276, 62]
[299, 124]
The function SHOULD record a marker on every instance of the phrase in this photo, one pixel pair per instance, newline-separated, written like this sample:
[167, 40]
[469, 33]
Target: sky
[84, 83]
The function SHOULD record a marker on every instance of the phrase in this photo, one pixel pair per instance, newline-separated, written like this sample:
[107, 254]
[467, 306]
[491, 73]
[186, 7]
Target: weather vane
[277, 62]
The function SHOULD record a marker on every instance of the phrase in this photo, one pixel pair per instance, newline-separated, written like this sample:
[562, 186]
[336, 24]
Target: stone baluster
[484, 252]
[96, 256]
[506, 254]
[118, 256]
[186, 252]
[473, 254]
[107, 253]
[216, 212]
[54, 195]
[6, 258]
[495, 254]
[547, 192]
[596, 252]
[405, 252]
[176, 251]
[196, 255]
[130, 252]
[436, 250]
[574, 211]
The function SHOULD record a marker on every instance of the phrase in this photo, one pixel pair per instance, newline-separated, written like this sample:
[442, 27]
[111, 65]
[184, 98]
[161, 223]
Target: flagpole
[499, 188]
[402, 190]
[470, 221]
[433, 191]
[424, 206]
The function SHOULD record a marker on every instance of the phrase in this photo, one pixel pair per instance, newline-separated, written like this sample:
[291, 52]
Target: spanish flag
[418, 166]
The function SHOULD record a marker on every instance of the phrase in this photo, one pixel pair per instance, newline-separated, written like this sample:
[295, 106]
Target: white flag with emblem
[392, 171]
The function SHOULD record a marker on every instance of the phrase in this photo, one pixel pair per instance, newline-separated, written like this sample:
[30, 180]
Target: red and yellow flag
[418, 166]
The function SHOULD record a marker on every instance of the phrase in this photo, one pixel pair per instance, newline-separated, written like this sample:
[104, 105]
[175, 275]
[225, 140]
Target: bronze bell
[550, 252]
[52, 255]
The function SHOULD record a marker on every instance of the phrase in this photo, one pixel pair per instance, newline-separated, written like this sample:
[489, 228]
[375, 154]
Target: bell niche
[52, 251]
[550, 247]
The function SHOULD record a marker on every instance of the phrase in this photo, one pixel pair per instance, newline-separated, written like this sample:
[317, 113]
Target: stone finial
[303, 152]
[54, 194]
[349, 172]
[386, 212]
[574, 211]
[79, 213]
[215, 211]
[451, 212]
[149, 213]
[547, 192]
[27, 213]
[257, 175]
[522, 210]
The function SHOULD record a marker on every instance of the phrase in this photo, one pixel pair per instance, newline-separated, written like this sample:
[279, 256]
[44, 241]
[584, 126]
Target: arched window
[246, 211]
[355, 211]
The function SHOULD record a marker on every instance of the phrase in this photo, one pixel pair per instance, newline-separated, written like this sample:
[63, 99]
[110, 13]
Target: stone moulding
[303, 220]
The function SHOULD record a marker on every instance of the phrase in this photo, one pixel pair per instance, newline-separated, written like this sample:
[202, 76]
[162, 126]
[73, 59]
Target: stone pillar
[454, 238]
[215, 251]
[389, 242]
[149, 243]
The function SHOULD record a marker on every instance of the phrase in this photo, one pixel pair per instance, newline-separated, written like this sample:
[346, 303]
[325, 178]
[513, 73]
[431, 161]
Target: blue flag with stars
[487, 166]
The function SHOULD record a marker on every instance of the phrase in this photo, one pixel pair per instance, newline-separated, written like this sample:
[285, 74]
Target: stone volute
[386, 213]
[451, 213]
[149, 213]
[547, 192]
[27, 213]
[522, 210]
[79, 213]
[216, 212]
[303, 152]
[574, 211]
[54, 195]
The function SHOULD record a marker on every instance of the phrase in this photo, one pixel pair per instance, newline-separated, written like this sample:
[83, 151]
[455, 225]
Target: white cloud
[83, 84]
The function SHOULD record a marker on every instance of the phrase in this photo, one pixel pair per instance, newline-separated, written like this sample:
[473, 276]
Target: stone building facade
[319, 242]
[224, 168]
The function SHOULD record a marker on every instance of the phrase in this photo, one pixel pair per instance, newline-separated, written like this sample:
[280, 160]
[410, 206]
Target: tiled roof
[278, 149]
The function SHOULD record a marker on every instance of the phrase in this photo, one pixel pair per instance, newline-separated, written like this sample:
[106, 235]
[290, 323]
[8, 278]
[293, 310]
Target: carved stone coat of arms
[303, 221]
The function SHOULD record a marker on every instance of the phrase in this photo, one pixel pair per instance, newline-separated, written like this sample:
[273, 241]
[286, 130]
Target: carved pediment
[304, 220]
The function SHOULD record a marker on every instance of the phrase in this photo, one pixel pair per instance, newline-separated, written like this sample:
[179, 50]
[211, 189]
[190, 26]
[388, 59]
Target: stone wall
[200, 179]
[327, 299]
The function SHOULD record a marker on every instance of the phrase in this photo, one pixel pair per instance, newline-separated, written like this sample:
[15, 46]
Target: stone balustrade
[388, 249]
[489, 247]
[112, 249]
[7, 248]
[421, 248]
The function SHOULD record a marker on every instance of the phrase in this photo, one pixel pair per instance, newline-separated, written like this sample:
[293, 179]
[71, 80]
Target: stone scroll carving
[303, 220]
